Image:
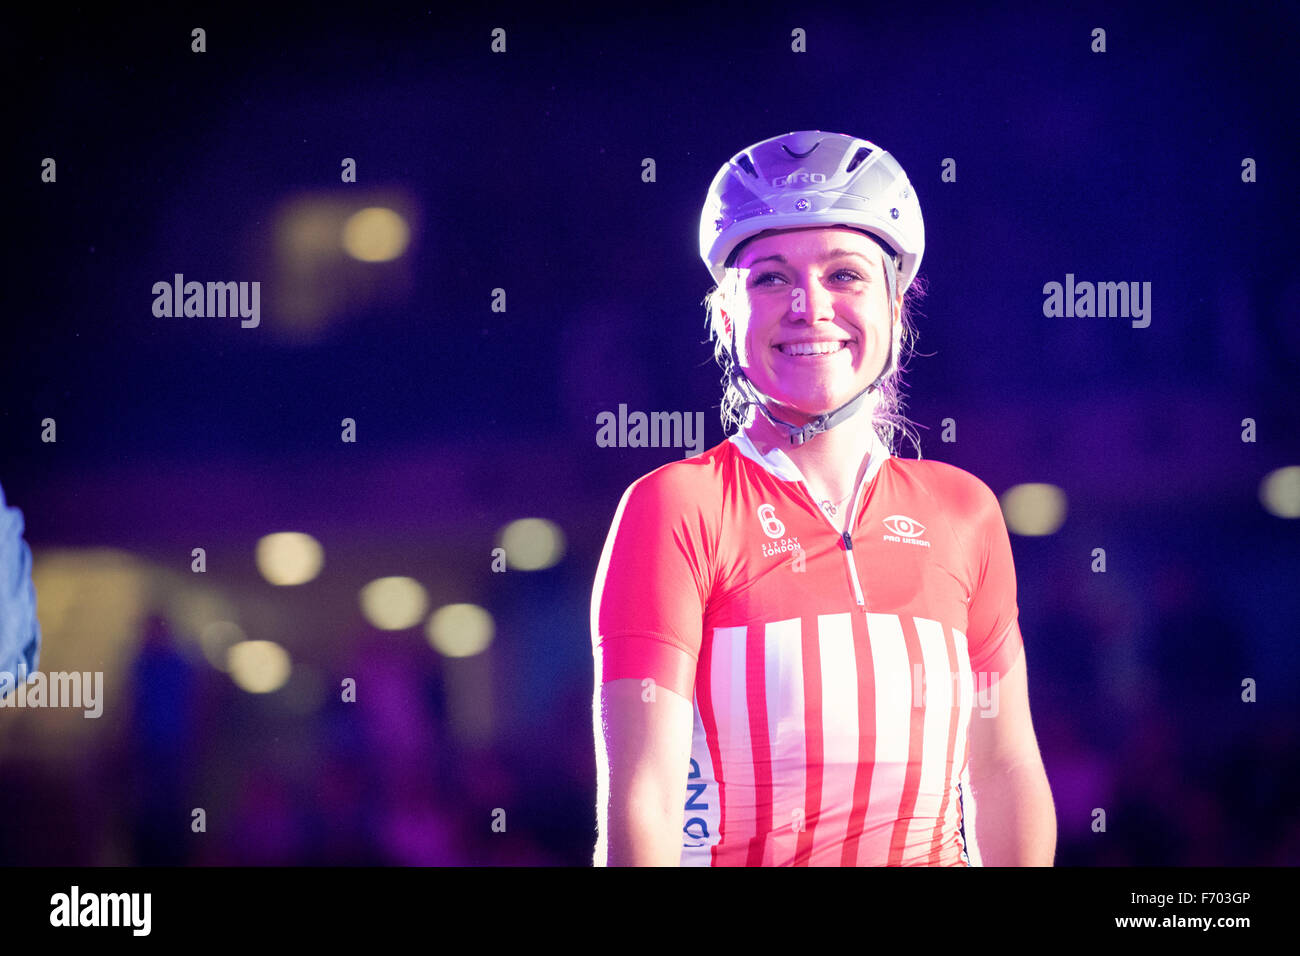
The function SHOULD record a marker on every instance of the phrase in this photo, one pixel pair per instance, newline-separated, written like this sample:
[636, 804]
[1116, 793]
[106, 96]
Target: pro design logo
[905, 529]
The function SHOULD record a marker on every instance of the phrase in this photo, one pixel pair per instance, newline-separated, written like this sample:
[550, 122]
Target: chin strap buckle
[802, 433]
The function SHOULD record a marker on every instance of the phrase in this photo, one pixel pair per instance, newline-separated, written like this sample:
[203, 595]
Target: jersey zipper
[846, 538]
[853, 570]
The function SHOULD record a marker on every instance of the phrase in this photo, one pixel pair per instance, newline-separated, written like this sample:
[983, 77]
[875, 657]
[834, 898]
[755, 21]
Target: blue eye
[854, 277]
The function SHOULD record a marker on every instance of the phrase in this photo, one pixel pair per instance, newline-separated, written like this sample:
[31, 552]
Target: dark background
[522, 171]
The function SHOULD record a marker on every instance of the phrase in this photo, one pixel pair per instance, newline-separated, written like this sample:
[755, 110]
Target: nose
[818, 301]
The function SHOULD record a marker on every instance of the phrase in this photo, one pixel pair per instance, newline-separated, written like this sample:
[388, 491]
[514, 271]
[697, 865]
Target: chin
[817, 398]
[811, 407]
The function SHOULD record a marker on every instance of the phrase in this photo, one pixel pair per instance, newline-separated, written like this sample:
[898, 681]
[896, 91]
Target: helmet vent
[800, 155]
[744, 163]
[862, 153]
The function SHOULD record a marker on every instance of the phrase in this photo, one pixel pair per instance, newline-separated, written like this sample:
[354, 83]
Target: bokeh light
[532, 543]
[289, 557]
[375, 234]
[1033, 509]
[394, 603]
[460, 630]
[1279, 492]
[258, 667]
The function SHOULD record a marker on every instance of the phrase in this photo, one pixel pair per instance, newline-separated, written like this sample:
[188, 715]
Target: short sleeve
[651, 587]
[993, 629]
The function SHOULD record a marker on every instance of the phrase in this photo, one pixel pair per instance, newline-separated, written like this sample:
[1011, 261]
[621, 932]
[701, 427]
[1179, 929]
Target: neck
[832, 462]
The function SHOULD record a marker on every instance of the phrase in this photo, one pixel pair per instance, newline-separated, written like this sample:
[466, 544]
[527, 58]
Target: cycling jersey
[833, 676]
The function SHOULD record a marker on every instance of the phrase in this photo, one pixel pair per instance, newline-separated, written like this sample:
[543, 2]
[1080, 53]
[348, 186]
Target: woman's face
[843, 318]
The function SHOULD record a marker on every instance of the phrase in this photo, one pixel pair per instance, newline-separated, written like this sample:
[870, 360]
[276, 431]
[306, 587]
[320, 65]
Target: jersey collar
[778, 463]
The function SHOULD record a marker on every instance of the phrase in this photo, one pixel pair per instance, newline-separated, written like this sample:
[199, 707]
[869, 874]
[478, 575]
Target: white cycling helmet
[813, 178]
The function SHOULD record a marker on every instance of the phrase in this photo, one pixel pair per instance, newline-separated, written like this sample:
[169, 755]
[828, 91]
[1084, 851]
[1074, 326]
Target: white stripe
[938, 701]
[893, 728]
[783, 666]
[966, 704]
[839, 716]
[732, 710]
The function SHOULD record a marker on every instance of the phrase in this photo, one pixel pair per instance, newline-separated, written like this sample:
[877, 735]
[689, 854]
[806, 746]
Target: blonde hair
[887, 415]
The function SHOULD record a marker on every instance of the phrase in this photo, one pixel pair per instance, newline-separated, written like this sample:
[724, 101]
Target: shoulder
[959, 493]
[694, 479]
[691, 484]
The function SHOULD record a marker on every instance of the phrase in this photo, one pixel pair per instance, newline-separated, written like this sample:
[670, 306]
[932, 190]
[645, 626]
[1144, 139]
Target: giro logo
[905, 529]
[799, 178]
[772, 525]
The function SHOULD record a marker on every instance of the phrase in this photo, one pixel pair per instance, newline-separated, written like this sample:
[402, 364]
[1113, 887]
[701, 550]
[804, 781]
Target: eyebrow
[833, 254]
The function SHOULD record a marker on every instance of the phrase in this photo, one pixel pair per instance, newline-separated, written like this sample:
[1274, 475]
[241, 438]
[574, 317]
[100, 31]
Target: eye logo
[903, 526]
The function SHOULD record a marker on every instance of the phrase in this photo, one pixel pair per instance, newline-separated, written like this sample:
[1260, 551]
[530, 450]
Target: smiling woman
[789, 629]
[815, 326]
[862, 270]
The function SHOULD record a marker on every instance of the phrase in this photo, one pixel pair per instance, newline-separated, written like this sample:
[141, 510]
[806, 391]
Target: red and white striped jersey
[834, 677]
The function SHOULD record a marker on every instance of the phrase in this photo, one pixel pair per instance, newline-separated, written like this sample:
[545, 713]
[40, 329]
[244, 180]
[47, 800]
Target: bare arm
[1015, 818]
[643, 741]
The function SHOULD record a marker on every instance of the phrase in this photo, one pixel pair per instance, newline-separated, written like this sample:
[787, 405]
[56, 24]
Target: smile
[812, 349]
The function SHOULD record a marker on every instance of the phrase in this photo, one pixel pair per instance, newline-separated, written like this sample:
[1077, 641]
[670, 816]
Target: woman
[807, 650]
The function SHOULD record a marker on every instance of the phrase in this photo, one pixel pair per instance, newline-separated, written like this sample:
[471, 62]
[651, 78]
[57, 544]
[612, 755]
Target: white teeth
[812, 348]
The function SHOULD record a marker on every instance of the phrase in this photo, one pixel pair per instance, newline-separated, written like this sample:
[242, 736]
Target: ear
[726, 323]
